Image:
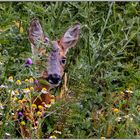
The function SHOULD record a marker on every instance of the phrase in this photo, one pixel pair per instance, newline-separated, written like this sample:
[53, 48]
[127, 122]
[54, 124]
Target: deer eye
[63, 60]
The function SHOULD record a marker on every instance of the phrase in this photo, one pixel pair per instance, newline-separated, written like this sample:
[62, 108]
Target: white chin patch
[54, 85]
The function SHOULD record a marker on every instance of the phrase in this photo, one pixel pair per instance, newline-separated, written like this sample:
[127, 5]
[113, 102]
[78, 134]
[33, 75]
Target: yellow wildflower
[34, 128]
[52, 101]
[40, 107]
[26, 90]
[26, 80]
[17, 24]
[18, 82]
[22, 123]
[17, 92]
[39, 113]
[21, 30]
[11, 79]
[24, 100]
[115, 110]
[44, 90]
[31, 88]
[52, 96]
[102, 137]
[34, 106]
[15, 98]
[19, 101]
[31, 80]
[52, 137]
[122, 93]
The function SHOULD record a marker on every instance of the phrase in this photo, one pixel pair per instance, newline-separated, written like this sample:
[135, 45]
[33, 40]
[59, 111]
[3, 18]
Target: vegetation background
[103, 69]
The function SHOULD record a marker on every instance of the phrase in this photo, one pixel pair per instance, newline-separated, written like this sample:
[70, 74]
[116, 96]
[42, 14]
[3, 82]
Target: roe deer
[54, 62]
[56, 58]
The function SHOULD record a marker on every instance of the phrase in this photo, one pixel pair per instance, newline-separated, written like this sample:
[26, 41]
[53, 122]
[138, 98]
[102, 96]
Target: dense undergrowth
[103, 69]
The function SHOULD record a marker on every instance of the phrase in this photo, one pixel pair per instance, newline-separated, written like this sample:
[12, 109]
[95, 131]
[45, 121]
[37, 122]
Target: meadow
[103, 70]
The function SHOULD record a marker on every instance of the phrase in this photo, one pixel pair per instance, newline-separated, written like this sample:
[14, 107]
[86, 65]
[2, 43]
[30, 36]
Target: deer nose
[54, 79]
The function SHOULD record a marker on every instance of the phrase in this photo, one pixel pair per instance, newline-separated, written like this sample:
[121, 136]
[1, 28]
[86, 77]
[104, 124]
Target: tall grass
[103, 68]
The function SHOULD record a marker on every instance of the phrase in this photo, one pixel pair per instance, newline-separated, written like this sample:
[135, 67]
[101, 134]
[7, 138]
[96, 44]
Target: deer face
[56, 57]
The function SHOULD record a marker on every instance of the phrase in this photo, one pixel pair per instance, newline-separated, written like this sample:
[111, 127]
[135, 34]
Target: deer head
[56, 57]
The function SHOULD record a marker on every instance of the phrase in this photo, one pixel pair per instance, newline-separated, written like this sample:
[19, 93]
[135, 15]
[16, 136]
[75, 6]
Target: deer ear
[70, 37]
[35, 32]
